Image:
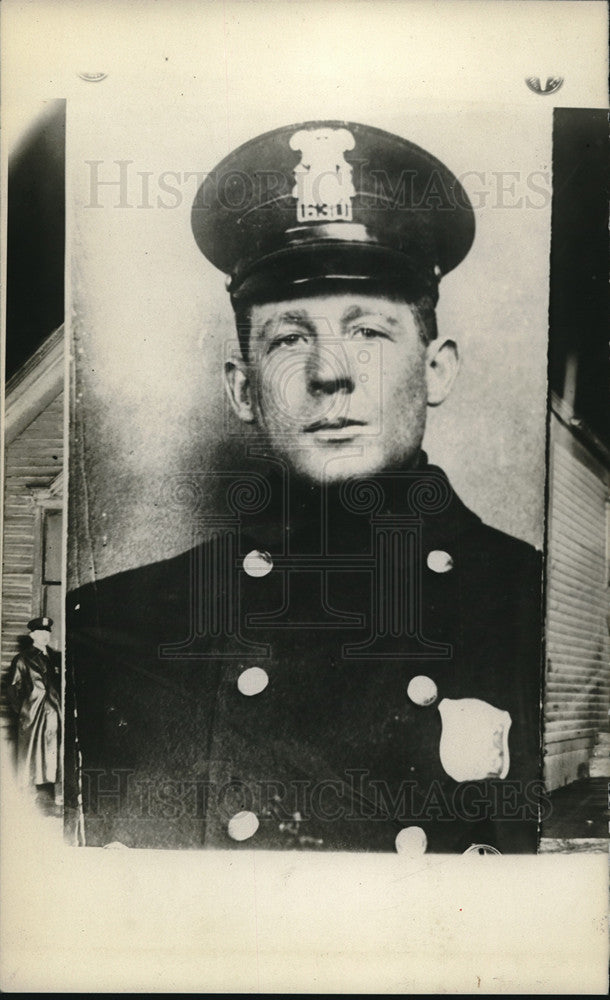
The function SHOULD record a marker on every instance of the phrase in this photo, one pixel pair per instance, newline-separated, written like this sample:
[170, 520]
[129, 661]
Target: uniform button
[481, 849]
[257, 563]
[243, 825]
[253, 681]
[411, 841]
[439, 561]
[422, 690]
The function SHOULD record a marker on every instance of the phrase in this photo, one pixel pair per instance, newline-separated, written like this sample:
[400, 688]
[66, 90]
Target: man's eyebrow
[300, 317]
[357, 312]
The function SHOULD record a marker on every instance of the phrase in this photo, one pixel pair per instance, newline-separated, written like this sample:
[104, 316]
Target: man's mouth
[340, 429]
[332, 425]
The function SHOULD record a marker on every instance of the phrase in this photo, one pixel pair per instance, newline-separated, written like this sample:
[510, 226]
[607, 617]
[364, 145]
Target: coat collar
[37, 659]
[303, 513]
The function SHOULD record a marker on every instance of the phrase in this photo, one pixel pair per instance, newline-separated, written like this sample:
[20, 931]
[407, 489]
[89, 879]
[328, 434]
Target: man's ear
[237, 385]
[442, 364]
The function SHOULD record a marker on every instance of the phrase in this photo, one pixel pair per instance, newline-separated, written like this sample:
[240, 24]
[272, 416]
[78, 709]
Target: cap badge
[323, 179]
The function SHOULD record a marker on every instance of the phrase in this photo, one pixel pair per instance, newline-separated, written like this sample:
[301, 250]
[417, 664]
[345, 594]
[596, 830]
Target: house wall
[577, 688]
[33, 461]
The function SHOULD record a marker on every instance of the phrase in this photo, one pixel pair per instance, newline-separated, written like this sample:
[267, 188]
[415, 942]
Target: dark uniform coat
[32, 690]
[349, 669]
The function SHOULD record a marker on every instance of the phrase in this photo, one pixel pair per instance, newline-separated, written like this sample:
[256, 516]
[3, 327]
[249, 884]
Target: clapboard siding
[577, 690]
[33, 459]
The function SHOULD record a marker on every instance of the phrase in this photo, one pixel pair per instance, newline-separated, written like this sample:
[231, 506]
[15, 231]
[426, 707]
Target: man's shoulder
[25, 655]
[502, 572]
[493, 565]
[133, 594]
[508, 546]
[461, 523]
[18, 661]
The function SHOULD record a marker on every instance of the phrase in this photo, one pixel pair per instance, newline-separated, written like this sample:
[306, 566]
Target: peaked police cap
[331, 201]
[40, 623]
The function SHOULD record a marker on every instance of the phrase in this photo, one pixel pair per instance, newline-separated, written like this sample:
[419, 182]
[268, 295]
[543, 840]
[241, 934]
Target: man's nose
[330, 369]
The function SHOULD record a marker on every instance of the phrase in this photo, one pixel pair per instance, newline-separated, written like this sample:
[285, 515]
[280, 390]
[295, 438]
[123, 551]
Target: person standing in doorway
[34, 695]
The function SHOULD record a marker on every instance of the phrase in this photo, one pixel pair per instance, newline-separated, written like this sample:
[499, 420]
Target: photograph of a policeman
[351, 660]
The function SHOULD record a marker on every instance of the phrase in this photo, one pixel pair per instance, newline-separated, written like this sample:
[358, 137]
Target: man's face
[337, 383]
[41, 636]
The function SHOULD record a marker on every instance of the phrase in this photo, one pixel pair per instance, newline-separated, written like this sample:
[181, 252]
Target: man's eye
[368, 333]
[288, 340]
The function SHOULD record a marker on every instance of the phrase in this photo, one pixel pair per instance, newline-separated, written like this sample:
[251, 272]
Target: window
[51, 571]
[48, 562]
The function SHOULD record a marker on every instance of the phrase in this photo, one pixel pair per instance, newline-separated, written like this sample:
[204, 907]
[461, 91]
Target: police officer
[33, 684]
[351, 661]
